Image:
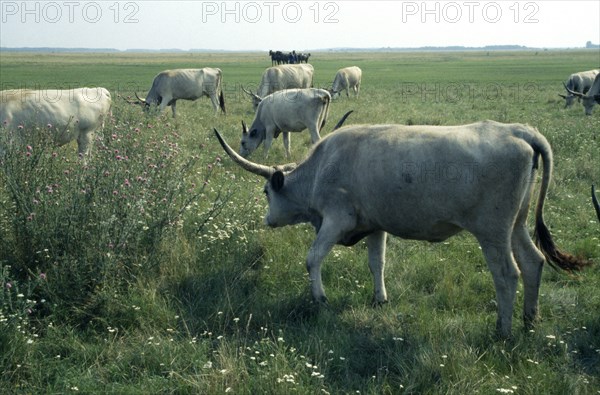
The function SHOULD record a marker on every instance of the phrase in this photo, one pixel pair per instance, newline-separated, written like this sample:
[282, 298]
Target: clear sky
[300, 25]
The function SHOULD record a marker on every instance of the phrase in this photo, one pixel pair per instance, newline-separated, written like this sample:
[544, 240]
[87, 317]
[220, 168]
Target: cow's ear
[277, 180]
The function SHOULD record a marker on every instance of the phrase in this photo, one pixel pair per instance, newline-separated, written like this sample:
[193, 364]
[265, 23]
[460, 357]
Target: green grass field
[175, 286]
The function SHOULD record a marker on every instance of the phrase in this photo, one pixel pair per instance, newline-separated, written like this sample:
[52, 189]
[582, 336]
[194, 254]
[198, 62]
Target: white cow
[346, 79]
[285, 76]
[285, 111]
[186, 84]
[424, 183]
[592, 97]
[578, 82]
[72, 113]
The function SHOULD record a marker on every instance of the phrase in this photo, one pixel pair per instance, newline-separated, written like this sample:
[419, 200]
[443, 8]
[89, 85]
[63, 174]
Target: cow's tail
[221, 96]
[326, 100]
[222, 102]
[543, 239]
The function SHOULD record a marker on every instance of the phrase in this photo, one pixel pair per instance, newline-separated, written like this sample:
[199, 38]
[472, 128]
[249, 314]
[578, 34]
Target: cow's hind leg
[376, 246]
[84, 143]
[214, 100]
[504, 270]
[531, 263]
[286, 143]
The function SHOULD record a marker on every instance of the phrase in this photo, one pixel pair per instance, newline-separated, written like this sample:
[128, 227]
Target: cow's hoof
[378, 303]
[321, 300]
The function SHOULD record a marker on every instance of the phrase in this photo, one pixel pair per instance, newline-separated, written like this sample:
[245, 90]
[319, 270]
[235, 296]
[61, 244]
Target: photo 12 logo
[469, 11]
[69, 11]
[269, 11]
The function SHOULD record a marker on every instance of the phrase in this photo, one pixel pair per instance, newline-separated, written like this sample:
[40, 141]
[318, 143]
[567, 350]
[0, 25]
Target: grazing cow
[186, 84]
[289, 110]
[578, 82]
[287, 76]
[592, 97]
[303, 57]
[424, 183]
[346, 79]
[74, 114]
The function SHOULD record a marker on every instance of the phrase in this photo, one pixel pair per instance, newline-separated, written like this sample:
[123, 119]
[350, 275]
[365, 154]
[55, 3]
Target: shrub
[94, 225]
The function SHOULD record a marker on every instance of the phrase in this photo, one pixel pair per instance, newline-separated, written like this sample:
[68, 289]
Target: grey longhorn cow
[74, 114]
[285, 76]
[346, 79]
[592, 97]
[424, 183]
[186, 84]
[285, 111]
[580, 82]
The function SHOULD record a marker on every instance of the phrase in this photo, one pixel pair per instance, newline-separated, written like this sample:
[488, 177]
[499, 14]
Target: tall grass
[147, 269]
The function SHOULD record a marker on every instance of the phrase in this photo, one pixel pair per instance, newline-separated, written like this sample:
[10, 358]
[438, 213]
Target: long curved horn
[341, 121]
[141, 100]
[254, 95]
[578, 94]
[127, 100]
[595, 202]
[261, 170]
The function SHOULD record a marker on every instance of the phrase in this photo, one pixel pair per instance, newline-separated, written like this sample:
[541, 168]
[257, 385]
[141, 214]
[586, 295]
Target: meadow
[149, 271]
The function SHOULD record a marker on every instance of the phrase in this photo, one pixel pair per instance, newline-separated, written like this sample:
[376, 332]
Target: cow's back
[58, 108]
[285, 76]
[405, 178]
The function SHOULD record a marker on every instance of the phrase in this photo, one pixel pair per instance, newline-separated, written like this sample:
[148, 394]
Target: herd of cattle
[365, 181]
[280, 57]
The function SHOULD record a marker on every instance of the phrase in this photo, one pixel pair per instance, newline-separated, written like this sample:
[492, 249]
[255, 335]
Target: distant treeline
[588, 45]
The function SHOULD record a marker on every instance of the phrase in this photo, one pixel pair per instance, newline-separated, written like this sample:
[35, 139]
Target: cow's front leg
[319, 249]
[329, 234]
[376, 246]
[173, 108]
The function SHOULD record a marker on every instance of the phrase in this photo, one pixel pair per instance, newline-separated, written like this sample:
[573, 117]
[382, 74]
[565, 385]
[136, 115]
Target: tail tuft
[556, 258]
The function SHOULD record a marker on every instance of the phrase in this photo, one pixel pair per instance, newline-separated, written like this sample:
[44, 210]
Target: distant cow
[592, 97]
[303, 57]
[285, 111]
[277, 57]
[185, 84]
[578, 82]
[74, 114]
[346, 79]
[286, 76]
[423, 183]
